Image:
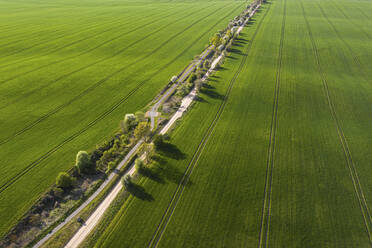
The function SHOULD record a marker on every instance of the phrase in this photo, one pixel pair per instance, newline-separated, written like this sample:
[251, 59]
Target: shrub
[110, 167]
[58, 192]
[64, 180]
[139, 165]
[127, 181]
[83, 162]
[142, 130]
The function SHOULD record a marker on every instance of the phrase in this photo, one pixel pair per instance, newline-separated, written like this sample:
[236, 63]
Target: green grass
[288, 162]
[69, 71]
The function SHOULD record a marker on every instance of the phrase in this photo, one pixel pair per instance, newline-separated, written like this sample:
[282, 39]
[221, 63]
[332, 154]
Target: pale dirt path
[187, 100]
[153, 112]
[98, 213]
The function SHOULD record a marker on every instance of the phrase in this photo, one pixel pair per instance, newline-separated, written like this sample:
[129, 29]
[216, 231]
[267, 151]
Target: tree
[206, 64]
[127, 181]
[130, 122]
[64, 180]
[110, 167]
[192, 78]
[216, 40]
[139, 165]
[142, 130]
[83, 162]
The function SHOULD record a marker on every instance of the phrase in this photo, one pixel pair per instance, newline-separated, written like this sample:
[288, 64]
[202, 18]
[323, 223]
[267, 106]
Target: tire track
[87, 52]
[351, 21]
[26, 37]
[40, 159]
[64, 35]
[165, 219]
[345, 147]
[355, 57]
[266, 206]
[96, 84]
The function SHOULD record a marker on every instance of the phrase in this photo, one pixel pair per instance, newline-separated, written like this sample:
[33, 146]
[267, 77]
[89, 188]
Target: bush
[142, 130]
[58, 192]
[192, 78]
[127, 181]
[139, 165]
[83, 162]
[110, 167]
[64, 180]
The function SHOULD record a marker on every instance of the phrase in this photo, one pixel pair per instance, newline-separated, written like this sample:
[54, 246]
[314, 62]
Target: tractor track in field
[2, 30]
[355, 57]
[84, 52]
[86, 66]
[80, 54]
[266, 204]
[36, 162]
[92, 27]
[93, 86]
[351, 21]
[343, 141]
[165, 219]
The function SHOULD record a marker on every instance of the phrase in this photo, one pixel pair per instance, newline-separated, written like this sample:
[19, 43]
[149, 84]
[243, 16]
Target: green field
[285, 160]
[70, 70]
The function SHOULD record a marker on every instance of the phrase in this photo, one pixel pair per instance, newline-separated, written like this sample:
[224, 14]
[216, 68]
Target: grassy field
[285, 161]
[70, 70]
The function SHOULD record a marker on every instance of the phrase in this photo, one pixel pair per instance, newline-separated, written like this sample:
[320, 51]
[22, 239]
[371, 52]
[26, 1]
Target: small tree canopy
[216, 40]
[142, 130]
[83, 163]
[127, 181]
[139, 165]
[64, 180]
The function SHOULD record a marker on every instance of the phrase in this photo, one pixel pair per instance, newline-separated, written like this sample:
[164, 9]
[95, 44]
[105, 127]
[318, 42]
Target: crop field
[70, 70]
[284, 160]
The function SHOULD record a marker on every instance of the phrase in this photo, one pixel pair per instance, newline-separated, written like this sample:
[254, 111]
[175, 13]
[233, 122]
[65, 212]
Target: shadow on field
[212, 94]
[200, 99]
[167, 171]
[171, 151]
[153, 174]
[139, 192]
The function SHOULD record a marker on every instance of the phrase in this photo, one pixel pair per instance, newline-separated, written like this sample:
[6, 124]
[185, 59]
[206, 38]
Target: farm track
[92, 87]
[266, 208]
[83, 53]
[355, 57]
[36, 162]
[348, 157]
[164, 221]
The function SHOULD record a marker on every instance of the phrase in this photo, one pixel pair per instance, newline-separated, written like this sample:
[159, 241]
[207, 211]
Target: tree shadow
[212, 94]
[236, 51]
[139, 192]
[231, 57]
[169, 171]
[200, 99]
[208, 86]
[171, 151]
[152, 173]
[222, 68]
